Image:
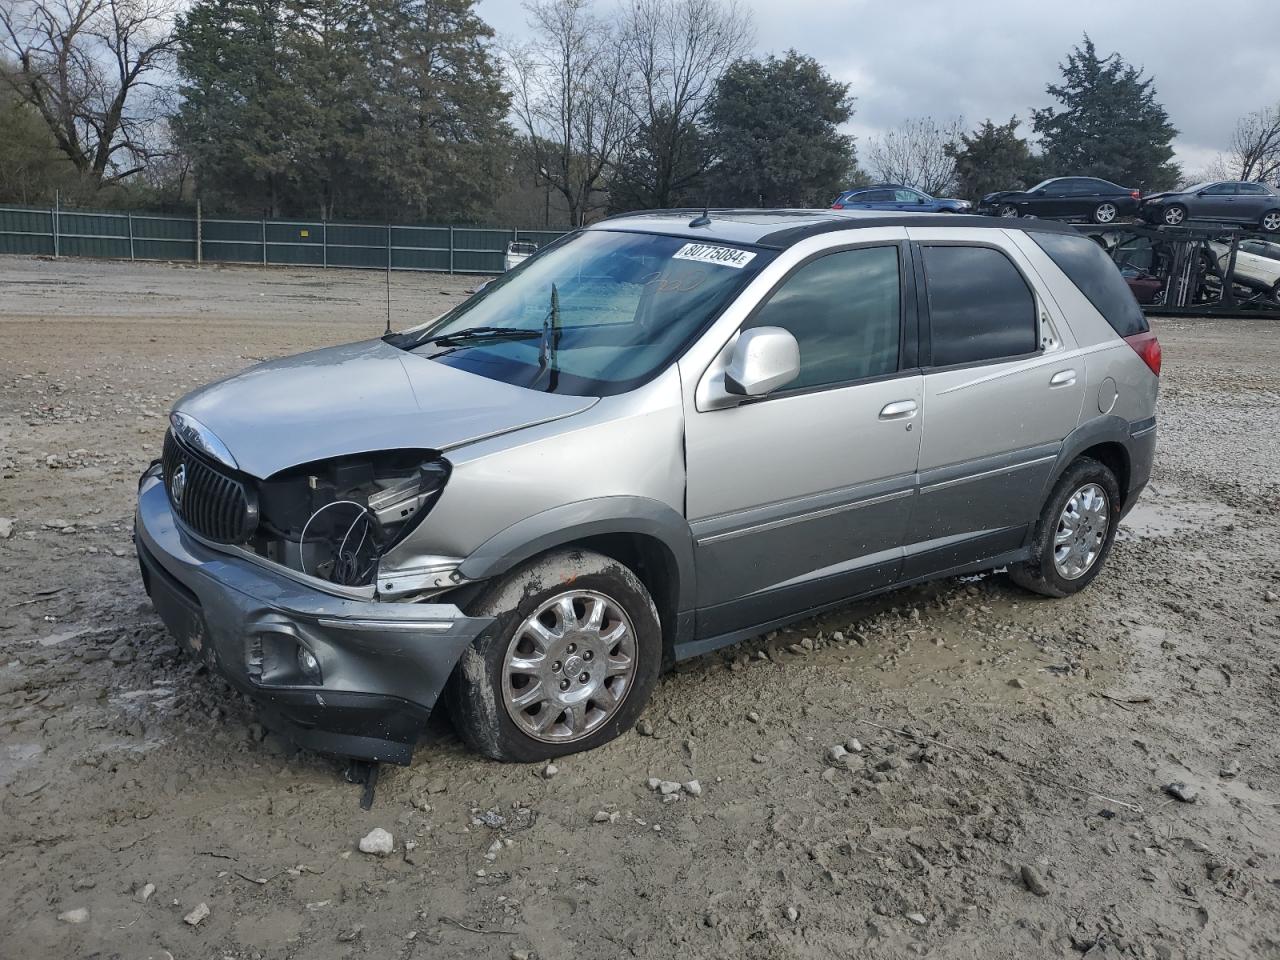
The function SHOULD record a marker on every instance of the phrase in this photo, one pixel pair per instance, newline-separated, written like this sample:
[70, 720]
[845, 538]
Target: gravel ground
[1008, 798]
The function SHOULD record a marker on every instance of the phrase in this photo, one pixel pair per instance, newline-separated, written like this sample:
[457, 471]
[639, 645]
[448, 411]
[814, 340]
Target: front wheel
[1104, 213]
[568, 665]
[1074, 532]
[1174, 216]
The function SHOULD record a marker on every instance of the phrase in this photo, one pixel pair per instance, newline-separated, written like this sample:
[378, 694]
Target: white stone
[78, 915]
[377, 842]
[197, 915]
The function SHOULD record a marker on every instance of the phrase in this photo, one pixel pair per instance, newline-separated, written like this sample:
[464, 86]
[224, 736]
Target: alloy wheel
[569, 666]
[1271, 222]
[1174, 216]
[1008, 210]
[1105, 213]
[1082, 532]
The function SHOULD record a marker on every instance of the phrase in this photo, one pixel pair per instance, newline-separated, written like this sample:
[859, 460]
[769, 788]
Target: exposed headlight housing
[334, 519]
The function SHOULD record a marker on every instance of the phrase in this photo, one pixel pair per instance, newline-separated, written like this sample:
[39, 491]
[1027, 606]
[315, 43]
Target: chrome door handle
[898, 410]
[1063, 378]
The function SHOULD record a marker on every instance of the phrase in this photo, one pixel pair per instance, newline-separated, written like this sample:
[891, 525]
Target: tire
[1041, 573]
[1105, 213]
[484, 687]
[1270, 222]
[1008, 211]
[1174, 215]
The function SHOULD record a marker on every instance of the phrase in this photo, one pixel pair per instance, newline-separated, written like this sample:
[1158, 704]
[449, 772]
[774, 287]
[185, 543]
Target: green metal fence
[315, 243]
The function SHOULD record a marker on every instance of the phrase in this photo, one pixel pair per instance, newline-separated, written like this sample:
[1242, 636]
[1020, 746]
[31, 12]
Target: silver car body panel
[357, 398]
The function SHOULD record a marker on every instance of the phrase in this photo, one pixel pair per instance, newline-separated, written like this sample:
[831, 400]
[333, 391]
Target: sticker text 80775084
[709, 253]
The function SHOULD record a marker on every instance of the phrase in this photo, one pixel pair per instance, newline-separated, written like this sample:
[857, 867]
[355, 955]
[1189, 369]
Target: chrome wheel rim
[1173, 216]
[1105, 213]
[1008, 210]
[1271, 221]
[569, 666]
[1082, 530]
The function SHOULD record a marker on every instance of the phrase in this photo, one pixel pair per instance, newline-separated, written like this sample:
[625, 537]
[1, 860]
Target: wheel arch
[1107, 440]
[648, 536]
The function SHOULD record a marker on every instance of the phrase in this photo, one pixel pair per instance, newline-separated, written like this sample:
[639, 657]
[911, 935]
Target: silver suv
[657, 436]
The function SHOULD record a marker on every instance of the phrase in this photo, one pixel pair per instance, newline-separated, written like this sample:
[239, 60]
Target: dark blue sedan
[893, 196]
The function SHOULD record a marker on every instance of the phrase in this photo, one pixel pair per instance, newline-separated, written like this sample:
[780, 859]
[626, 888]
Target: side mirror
[921, 200]
[764, 359]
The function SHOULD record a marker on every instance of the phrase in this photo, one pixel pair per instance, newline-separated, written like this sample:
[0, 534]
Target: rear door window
[980, 307]
[845, 311]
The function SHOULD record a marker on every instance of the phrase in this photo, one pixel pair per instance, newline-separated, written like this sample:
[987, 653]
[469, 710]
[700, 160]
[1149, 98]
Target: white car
[518, 251]
[1257, 263]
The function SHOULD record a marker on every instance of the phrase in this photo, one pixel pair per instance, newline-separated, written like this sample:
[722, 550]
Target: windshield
[596, 313]
[1043, 184]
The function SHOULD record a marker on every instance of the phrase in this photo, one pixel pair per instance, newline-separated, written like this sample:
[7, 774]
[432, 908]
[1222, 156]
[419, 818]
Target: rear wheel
[1270, 221]
[1074, 532]
[568, 664]
[1174, 216]
[1104, 213]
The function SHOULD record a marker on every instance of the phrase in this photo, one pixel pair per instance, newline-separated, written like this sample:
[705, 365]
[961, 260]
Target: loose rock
[549, 771]
[6, 528]
[78, 915]
[836, 753]
[693, 788]
[917, 918]
[667, 787]
[1183, 792]
[644, 728]
[377, 842]
[144, 892]
[197, 915]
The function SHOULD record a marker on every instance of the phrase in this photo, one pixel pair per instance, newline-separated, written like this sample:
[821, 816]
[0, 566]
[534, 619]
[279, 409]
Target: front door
[1000, 396]
[801, 498]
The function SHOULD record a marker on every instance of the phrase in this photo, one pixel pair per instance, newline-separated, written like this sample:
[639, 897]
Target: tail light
[1135, 194]
[1147, 347]
[837, 206]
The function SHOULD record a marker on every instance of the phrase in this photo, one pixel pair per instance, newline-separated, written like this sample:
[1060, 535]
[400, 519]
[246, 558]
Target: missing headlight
[334, 519]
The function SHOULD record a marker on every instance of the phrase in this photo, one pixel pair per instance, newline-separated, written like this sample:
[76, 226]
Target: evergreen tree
[773, 126]
[992, 157]
[1109, 124]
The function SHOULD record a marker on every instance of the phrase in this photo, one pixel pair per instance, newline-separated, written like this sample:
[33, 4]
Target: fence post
[199, 234]
[451, 248]
[54, 214]
[131, 256]
[324, 243]
[264, 243]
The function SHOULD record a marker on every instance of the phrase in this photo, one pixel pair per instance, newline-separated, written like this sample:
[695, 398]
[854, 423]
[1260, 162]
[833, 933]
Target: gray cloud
[992, 58]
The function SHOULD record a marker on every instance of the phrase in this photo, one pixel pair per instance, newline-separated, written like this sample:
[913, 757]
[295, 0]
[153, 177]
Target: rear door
[1000, 395]
[1252, 201]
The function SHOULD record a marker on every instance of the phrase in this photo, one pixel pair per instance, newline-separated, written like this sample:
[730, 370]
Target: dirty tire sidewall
[475, 692]
[1039, 574]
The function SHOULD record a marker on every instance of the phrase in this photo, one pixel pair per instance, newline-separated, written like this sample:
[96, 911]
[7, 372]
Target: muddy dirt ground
[1008, 742]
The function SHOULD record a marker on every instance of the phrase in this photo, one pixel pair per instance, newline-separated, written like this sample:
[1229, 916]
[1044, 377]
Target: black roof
[779, 229]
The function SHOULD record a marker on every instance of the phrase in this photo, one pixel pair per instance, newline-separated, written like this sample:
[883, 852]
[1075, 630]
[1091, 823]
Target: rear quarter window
[1097, 277]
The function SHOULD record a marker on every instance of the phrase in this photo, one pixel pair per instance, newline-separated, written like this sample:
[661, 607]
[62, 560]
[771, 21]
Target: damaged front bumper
[350, 677]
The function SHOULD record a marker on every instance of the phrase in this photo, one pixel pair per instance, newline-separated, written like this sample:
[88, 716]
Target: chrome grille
[212, 502]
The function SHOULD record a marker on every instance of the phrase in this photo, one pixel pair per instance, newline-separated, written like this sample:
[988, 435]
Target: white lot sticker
[706, 253]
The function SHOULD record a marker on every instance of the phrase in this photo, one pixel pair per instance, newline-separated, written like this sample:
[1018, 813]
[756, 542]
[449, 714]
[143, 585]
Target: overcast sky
[1212, 61]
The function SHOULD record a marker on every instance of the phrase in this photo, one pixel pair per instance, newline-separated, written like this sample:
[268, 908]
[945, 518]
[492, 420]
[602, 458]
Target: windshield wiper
[473, 334]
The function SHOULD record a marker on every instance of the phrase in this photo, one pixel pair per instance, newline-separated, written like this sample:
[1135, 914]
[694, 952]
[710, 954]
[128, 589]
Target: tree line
[416, 110]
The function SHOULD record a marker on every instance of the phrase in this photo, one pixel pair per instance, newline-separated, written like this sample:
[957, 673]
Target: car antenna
[704, 219]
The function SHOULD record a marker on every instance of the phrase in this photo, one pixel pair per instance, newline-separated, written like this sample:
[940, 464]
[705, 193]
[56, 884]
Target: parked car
[893, 196]
[1222, 201]
[1065, 198]
[654, 439]
[1257, 264]
[518, 251]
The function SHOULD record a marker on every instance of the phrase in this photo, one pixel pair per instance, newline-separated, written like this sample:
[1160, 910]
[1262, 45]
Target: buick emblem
[178, 485]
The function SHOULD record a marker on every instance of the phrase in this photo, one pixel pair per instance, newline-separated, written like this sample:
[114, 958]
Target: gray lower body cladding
[381, 666]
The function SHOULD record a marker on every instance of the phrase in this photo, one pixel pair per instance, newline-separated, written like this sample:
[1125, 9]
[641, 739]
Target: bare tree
[1255, 147]
[915, 154]
[676, 51]
[570, 97]
[86, 66]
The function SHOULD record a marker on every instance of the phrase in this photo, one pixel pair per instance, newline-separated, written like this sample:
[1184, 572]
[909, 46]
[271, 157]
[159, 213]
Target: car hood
[359, 398]
[1004, 195]
[1159, 196]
